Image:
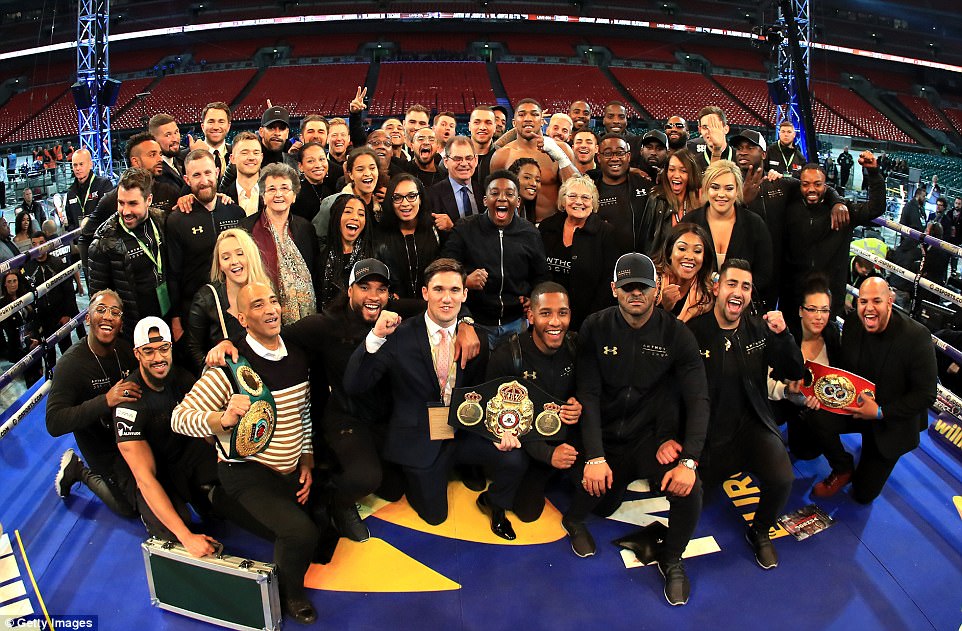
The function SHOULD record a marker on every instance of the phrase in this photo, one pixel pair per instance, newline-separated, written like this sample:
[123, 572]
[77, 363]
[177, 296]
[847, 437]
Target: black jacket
[203, 323]
[593, 256]
[82, 200]
[784, 161]
[441, 199]
[402, 254]
[627, 221]
[756, 348]
[513, 256]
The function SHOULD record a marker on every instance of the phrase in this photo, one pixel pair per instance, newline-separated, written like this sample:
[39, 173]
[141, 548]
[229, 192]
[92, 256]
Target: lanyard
[83, 202]
[788, 164]
[157, 261]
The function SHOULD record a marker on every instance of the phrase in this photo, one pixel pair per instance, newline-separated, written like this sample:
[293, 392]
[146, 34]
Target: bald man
[87, 189]
[896, 354]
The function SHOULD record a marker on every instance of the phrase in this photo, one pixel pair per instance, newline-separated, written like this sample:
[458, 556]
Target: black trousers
[269, 496]
[759, 451]
[529, 500]
[427, 488]
[873, 468]
[629, 463]
[355, 447]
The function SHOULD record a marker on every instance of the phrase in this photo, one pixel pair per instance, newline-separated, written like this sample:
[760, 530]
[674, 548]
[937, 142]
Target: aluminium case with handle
[224, 590]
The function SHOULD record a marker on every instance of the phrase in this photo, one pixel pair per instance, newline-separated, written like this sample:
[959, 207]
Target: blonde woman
[581, 248]
[236, 263]
[734, 231]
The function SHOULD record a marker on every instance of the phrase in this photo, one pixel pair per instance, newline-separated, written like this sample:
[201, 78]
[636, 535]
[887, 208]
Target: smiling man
[585, 147]
[738, 350]
[426, 159]
[458, 196]
[622, 194]
[580, 114]
[896, 354]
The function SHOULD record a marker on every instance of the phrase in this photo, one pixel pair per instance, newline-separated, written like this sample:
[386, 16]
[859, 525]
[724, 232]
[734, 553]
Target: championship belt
[833, 387]
[500, 407]
[255, 429]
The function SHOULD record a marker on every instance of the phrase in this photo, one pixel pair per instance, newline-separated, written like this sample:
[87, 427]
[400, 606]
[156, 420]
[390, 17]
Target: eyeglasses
[114, 311]
[149, 352]
[621, 153]
[674, 125]
[411, 197]
[384, 143]
[494, 194]
[573, 197]
[283, 190]
[460, 159]
[819, 310]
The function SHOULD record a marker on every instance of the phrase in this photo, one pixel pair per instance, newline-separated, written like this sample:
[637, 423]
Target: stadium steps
[370, 81]
[835, 111]
[761, 119]
[134, 101]
[904, 120]
[631, 100]
[498, 85]
[248, 87]
[29, 120]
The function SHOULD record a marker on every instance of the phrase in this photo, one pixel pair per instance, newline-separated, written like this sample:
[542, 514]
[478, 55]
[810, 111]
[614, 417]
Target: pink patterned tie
[442, 364]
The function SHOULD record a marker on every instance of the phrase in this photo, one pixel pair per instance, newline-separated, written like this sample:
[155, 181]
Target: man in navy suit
[418, 358]
[164, 129]
[458, 196]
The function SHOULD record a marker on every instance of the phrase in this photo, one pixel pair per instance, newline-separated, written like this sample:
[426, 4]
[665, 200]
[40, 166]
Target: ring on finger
[126, 393]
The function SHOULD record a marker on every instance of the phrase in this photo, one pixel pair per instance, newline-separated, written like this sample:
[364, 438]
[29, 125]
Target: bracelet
[596, 461]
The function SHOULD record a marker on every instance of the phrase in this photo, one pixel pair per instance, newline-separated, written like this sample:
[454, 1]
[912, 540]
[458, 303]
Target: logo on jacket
[611, 350]
[197, 230]
[529, 375]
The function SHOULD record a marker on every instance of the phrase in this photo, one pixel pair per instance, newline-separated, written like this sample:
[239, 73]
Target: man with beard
[274, 131]
[90, 381]
[445, 126]
[811, 245]
[585, 148]
[645, 415]
[425, 158]
[191, 236]
[458, 196]
[785, 157]
[379, 141]
[500, 120]
[676, 129]
[622, 195]
[338, 142]
[59, 304]
[481, 126]
[86, 191]
[713, 144]
[580, 114]
[245, 157]
[896, 354]
[559, 127]
[170, 469]
[314, 187]
[654, 153]
[415, 118]
[164, 129]
[738, 350]
[555, 159]
[845, 164]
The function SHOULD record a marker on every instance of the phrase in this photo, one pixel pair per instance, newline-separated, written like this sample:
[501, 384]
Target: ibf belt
[500, 407]
[833, 387]
[254, 431]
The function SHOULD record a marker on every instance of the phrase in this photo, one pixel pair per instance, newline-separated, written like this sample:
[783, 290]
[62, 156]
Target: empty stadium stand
[24, 105]
[668, 93]
[456, 86]
[854, 108]
[923, 110]
[639, 49]
[733, 58]
[241, 49]
[326, 90]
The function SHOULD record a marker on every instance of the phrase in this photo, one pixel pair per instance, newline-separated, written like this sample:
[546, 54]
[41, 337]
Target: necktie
[465, 202]
[220, 165]
[442, 362]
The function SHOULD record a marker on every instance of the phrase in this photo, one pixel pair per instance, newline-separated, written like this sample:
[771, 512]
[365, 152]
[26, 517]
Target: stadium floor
[894, 565]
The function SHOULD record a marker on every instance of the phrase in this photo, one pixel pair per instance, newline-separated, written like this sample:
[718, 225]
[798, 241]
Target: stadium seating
[304, 90]
[948, 169]
[556, 86]
[438, 85]
[639, 49]
[923, 110]
[57, 119]
[667, 93]
[22, 106]
[732, 58]
[138, 60]
[857, 110]
[241, 49]
[435, 42]
[329, 45]
[542, 45]
[752, 92]
[955, 115]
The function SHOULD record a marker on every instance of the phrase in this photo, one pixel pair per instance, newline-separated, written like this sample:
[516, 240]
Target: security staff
[85, 192]
[636, 366]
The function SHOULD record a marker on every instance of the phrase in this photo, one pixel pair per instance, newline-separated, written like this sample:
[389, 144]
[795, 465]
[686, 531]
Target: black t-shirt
[611, 198]
[148, 418]
[559, 264]
[731, 410]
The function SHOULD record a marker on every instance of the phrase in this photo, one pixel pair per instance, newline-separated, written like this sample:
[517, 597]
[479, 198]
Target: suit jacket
[171, 176]
[441, 199]
[405, 358]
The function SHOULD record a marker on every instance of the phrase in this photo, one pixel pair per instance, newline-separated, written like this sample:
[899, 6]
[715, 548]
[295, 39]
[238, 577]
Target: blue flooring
[896, 564]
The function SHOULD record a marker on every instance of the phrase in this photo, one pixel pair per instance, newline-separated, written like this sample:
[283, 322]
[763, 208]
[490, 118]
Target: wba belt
[255, 429]
[833, 387]
[499, 407]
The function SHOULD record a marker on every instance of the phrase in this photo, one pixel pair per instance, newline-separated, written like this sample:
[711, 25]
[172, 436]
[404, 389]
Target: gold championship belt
[507, 406]
[833, 387]
[255, 429]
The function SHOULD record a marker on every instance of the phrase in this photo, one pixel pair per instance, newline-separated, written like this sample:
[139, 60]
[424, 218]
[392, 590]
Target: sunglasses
[674, 125]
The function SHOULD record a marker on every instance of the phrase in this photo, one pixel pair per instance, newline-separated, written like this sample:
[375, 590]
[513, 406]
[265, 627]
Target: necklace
[415, 267]
[116, 357]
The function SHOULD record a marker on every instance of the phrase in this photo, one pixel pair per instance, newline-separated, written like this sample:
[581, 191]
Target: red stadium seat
[556, 86]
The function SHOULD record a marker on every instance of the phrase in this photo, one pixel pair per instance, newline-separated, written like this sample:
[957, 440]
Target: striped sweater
[288, 382]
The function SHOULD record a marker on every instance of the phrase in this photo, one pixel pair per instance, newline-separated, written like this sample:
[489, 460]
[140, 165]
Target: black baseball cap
[751, 136]
[634, 268]
[655, 134]
[366, 268]
[276, 115]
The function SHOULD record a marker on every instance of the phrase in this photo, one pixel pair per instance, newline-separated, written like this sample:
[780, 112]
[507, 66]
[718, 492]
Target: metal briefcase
[224, 590]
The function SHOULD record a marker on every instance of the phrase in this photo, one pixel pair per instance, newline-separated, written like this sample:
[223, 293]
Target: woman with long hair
[581, 248]
[733, 230]
[19, 328]
[348, 242]
[408, 235]
[213, 314]
[21, 237]
[685, 266]
[676, 192]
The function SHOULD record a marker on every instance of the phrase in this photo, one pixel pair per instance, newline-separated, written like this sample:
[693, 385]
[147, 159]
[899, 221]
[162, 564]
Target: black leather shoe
[301, 610]
[499, 521]
[349, 524]
[764, 549]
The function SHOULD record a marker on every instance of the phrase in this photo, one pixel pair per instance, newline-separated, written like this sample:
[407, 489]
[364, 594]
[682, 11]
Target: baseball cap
[751, 136]
[634, 268]
[369, 267]
[142, 332]
[276, 115]
[655, 134]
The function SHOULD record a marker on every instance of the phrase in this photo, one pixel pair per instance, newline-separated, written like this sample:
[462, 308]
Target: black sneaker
[350, 525]
[764, 549]
[70, 472]
[582, 543]
[677, 588]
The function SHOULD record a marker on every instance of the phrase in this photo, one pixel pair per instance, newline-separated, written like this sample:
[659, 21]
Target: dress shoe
[831, 485]
[300, 610]
[349, 523]
[499, 521]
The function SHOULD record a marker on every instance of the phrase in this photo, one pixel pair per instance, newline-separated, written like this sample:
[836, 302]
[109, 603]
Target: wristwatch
[468, 320]
[689, 463]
